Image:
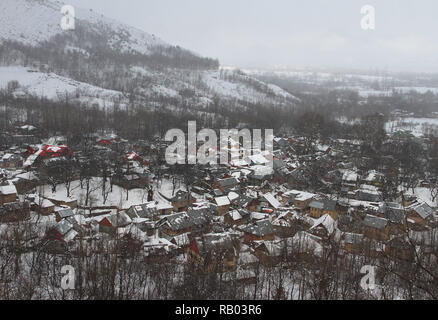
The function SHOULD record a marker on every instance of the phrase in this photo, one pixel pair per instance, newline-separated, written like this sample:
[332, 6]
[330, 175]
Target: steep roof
[272, 201]
[327, 222]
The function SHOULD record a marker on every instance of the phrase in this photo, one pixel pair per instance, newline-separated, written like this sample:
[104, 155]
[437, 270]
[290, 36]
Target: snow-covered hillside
[159, 74]
[243, 90]
[54, 87]
[34, 21]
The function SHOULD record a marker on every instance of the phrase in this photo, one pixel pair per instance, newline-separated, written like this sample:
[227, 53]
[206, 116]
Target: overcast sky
[294, 33]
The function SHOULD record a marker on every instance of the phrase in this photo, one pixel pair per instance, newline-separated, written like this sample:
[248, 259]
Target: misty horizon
[288, 34]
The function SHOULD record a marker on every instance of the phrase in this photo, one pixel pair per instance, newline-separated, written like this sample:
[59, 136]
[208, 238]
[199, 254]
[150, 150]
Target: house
[8, 193]
[407, 199]
[241, 202]
[214, 253]
[258, 159]
[236, 217]
[64, 202]
[45, 207]
[63, 214]
[259, 230]
[320, 207]
[182, 240]
[375, 228]
[420, 214]
[369, 193]
[269, 253]
[324, 227]
[55, 151]
[373, 178]
[227, 185]
[25, 182]
[164, 208]
[223, 204]
[176, 224]
[350, 179]
[111, 223]
[201, 218]
[271, 200]
[299, 199]
[195, 220]
[284, 226]
[305, 247]
[146, 210]
[63, 228]
[353, 242]
[233, 197]
[260, 173]
[181, 201]
[396, 215]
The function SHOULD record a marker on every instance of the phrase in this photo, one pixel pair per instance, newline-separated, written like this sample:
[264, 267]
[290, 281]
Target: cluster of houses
[231, 217]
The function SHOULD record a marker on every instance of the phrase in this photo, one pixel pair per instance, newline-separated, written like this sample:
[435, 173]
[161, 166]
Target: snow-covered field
[417, 126]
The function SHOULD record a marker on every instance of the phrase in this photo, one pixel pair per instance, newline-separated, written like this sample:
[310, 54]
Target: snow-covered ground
[417, 89]
[240, 90]
[32, 22]
[417, 126]
[118, 197]
[422, 193]
[55, 87]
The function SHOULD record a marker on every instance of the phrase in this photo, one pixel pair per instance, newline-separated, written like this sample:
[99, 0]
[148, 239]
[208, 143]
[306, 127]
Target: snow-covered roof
[300, 195]
[222, 201]
[272, 201]
[233, 196]
[258, 159]
[8, 189]
[262, 171]
[349, 175]
[327, 222]
[235, 215]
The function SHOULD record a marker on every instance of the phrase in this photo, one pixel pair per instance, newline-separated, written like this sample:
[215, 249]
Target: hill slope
[114, 60]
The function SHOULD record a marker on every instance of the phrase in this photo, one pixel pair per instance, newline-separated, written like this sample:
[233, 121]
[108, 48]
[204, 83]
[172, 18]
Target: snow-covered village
[260, 227]
[349, 182]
